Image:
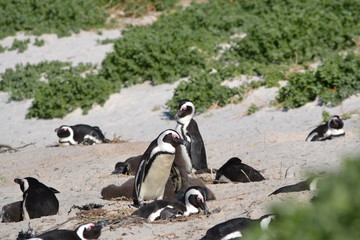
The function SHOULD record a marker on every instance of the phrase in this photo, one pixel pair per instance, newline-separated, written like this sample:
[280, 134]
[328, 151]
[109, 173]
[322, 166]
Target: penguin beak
[56, 129]
[18, 181]
[180, 141]
[203, 207]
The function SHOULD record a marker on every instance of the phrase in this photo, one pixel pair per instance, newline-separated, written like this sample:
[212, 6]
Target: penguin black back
[189, 131]
[236, 171]
[86, 231]
[38, 199]
[80, 134]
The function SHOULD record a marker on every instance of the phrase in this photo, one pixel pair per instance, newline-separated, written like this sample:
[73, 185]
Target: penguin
[194, 202]
[83, 232]
[194, 150]
[129, 167]
[126, 190]
[236, 171]
[12, 212]
[154, 168]
[38, 199]
[333, 128]
[308, 184]
[234, 228]
[79, 134]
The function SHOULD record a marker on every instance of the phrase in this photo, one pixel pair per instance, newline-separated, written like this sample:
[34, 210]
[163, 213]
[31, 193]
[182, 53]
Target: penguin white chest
[153, 186]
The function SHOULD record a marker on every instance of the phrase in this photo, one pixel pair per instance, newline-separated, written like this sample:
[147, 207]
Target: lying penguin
[308, 184]
[236, 171]
[333, 128]
[80, 134]
[84, 232]
[194, 202]
[234, 228]
[38, 199]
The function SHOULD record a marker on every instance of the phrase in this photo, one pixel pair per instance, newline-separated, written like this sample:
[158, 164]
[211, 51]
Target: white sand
[269, 140]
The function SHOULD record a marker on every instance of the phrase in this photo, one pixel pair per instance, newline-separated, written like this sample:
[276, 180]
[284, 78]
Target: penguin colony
[163, 186]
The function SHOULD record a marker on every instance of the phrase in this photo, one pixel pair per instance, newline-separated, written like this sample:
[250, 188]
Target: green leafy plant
[325, 116]
[337, 79]
[253, 109]
[21, 46]
[332, 215]
[2, 49]
[39, 42]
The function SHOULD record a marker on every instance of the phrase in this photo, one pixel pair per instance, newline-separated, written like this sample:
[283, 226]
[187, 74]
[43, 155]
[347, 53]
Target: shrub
[337, 79]
[332, 215]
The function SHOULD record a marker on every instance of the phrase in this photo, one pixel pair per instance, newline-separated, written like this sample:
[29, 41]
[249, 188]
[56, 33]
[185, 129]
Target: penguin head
[122, 168]
[234, 161]
[195, 200]
[335, 122]
[25, 183]
[168, 140]
[64, 131]
[89, 231]
[186, 111]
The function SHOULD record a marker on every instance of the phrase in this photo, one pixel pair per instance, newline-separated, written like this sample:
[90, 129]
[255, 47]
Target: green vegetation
[66, 16]
[191, 42]
[326, 116]
[332, 215]
[57, 87]
[39, 42]
[2, 49]
[21, 46]
[253, 109]
[337, 79]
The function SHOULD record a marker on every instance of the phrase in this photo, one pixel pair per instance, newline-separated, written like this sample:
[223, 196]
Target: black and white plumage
[155, 166]
[194, 152]
[79, 134]
[38, 199]
[333, 128]
[83, 232]
[233, 228]
[308, 184]
[194, 202]
[236, 171]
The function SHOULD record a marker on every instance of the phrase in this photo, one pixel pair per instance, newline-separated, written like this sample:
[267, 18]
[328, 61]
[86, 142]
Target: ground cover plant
[231, 38]
[333, 214]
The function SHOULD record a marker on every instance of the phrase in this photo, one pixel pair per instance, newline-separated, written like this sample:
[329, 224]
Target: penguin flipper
[139, 178]
[298, 187]
[197, 148]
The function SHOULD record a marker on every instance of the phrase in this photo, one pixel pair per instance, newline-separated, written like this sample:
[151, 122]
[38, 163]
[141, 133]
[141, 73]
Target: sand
[270, 140]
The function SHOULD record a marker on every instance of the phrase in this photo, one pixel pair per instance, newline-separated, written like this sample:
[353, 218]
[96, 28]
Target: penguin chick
[333, 128]
[236, 171]
[79, 134]
[126, 190]
[12, 212]
[234, 228]
[129, 167]
[194, 150]
[195, 201]
[308, 184]
[83, 232]
[155, 166]
[38, 199]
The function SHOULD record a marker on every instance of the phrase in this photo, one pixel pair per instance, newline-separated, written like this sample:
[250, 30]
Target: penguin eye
[200, 199]
[183, 108]
[63, 128]
[175, 135]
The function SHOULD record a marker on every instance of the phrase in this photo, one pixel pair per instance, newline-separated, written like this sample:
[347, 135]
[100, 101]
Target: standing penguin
[154, 168]
[83, 232]
[194, 152]
[333, 128]
[194, 201]
[79, 134]
[38, 199]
